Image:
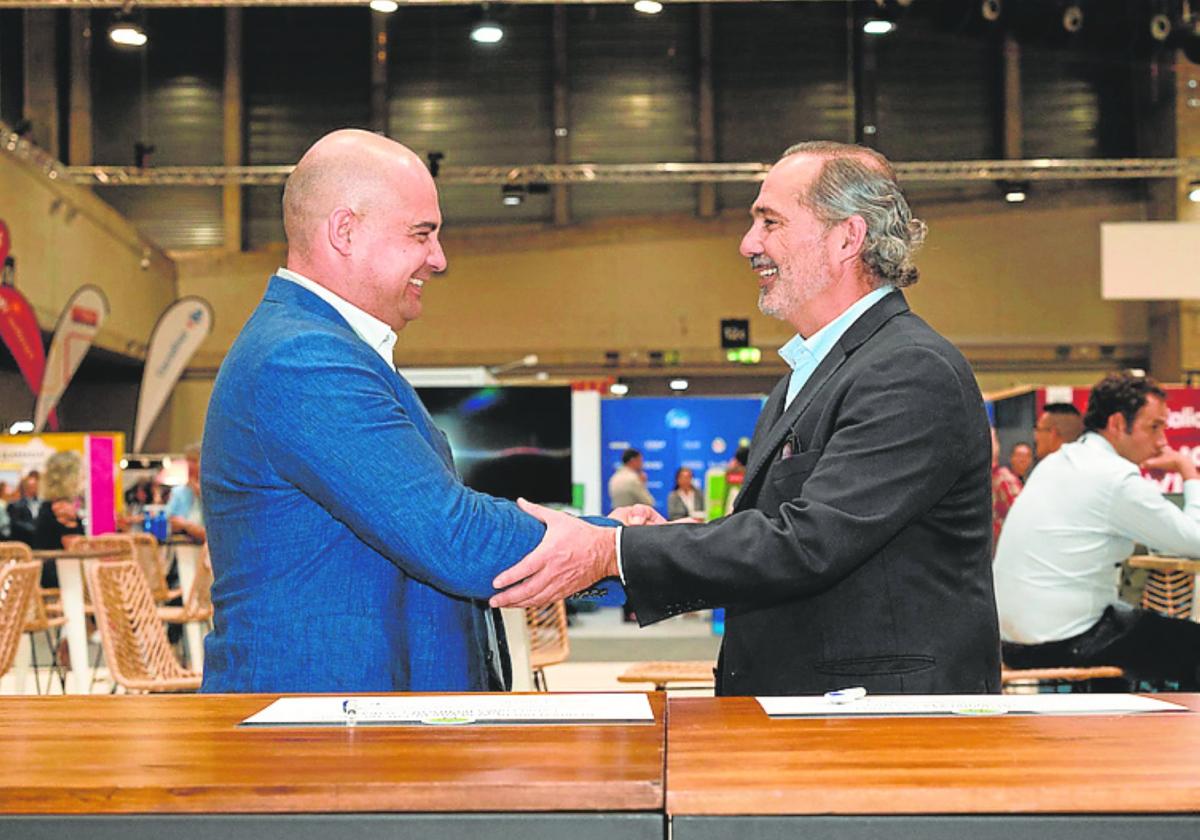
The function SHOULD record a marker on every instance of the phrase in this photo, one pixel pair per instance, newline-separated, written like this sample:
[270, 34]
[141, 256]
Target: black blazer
[21, 517]
[858, 553]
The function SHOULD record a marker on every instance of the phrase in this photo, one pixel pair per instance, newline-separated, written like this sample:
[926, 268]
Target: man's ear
[340, 229]
[849, 239]
[1116, 424]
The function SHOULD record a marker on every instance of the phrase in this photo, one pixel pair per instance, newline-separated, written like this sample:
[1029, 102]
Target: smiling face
[788, 247]
[397, 250]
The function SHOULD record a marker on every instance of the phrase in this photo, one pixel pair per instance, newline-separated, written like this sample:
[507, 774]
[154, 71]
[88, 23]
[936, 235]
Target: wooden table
[69, 565]
[1171, 587]
[178, 767]
[734, 772]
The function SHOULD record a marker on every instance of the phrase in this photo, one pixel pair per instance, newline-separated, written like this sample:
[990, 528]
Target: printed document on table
[455, 709]
[884, 705]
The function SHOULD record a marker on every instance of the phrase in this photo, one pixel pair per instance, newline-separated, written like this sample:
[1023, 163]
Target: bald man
[347, 554]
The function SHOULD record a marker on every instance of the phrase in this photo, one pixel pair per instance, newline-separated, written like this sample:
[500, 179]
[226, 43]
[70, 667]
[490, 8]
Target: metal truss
[659, 173]
[608, 173]
[168, 4]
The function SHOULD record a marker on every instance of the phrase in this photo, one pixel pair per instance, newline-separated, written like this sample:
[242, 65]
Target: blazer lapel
[764, 446]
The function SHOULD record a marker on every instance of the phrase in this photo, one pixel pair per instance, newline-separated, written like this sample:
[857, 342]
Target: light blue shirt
[1077, 519]
[803, 355]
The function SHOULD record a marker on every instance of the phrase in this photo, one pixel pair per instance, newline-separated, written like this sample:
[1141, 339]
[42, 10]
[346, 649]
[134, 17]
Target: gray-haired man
[858, 553]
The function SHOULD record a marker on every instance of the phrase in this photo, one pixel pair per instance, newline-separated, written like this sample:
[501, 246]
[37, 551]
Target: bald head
[362, 219]
[348, 168]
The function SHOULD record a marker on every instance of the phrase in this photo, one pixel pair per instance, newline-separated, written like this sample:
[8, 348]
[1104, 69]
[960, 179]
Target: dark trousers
[1147, 645]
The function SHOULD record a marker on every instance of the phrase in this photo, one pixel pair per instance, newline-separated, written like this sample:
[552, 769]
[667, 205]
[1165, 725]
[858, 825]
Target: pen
[846, 695]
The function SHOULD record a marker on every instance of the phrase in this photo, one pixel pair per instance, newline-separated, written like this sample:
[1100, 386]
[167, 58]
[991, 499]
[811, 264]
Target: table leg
[70, 584]
[20, 666]
[186, 558]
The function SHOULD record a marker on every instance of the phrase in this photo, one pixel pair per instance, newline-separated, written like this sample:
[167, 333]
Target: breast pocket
[795, 469]
[785, 479]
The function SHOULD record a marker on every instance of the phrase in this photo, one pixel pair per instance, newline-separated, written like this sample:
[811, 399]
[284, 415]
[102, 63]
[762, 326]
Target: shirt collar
[375, 333]
[800, 350]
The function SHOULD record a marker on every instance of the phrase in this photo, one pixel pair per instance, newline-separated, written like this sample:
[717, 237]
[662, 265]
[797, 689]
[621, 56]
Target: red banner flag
[21, 334]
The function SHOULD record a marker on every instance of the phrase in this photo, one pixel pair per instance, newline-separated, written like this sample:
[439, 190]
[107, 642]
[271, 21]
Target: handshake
[572, 555]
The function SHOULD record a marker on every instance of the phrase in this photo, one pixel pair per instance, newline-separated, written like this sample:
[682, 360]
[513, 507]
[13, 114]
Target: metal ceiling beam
[657, 173]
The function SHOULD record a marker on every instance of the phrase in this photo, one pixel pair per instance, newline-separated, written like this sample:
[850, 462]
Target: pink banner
[102, 515]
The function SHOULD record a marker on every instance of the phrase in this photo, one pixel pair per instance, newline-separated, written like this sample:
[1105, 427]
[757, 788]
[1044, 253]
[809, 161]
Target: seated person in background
[184, 511]
[1005, 489]
[1020, 461]
[685, 501]
[22, 513]
[58, 516]
[628, 485]
[1078, 517]
[1059, 423]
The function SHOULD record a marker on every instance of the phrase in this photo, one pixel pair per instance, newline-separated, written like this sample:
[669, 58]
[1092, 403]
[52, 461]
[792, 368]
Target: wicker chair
[197, 607]
[150, 558]
[17, 584]
[40, 617]
[548, 642]
[135, 644]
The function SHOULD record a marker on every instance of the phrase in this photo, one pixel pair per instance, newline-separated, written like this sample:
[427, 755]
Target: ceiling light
[1194, 191]
[487, 31]
[679, 384]
[618, 389]
[1015, 192]
[125, 32]
[511, 195]
[648, 7]
[876, 26]
[384, 7]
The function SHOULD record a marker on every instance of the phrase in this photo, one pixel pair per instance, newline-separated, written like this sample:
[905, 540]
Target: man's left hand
[571, 556]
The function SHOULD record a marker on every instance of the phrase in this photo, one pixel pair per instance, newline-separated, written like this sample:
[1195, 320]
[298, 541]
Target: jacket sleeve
[328, 420]
[905, 432]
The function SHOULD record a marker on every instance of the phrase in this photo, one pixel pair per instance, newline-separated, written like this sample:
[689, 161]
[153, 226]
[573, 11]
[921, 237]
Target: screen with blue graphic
[508, 442]
[673, 432]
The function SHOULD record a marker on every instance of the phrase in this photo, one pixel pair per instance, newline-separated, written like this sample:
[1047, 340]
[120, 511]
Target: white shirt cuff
[620, 565]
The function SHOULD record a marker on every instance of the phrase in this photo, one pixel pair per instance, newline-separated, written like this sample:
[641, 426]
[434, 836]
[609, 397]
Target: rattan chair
[39, 617]
[197, 607]
[17, 584]
[548, 642]
[132, 635]
[150, 557]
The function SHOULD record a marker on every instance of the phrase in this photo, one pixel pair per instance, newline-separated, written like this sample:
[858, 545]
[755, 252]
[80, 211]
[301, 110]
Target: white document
[886, 705]
[456, 709]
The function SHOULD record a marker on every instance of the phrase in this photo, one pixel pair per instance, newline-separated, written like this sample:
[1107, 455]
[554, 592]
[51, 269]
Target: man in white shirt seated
[1077, 519]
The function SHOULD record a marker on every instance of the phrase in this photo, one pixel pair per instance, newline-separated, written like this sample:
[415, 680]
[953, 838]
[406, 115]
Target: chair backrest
[17, 583]
[548, 643]
[36, 619]
[135, 643]
[149, 556]
[197, 606]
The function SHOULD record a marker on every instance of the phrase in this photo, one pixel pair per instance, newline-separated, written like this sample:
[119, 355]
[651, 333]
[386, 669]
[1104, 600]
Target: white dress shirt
[378, 336]
[1077, 519]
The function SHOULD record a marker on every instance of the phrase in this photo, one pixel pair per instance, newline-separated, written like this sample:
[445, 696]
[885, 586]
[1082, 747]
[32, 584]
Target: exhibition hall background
[627, 268]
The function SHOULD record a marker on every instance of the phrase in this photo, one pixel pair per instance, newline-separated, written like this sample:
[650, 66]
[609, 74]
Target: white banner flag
[177, 336]
[77, 326]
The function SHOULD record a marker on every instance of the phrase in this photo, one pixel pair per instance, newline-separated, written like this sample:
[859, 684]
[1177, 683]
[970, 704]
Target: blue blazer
[348, 556]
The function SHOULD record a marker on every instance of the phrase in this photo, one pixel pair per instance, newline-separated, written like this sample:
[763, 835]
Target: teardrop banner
[81, 319]
[20, 331]
[177, 336]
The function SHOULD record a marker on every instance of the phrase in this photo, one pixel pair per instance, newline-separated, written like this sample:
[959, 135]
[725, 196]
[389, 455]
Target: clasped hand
[572, 555]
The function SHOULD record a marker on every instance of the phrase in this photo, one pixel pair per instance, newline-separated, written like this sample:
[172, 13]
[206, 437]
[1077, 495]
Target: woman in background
[59, 515]
[685, 500]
